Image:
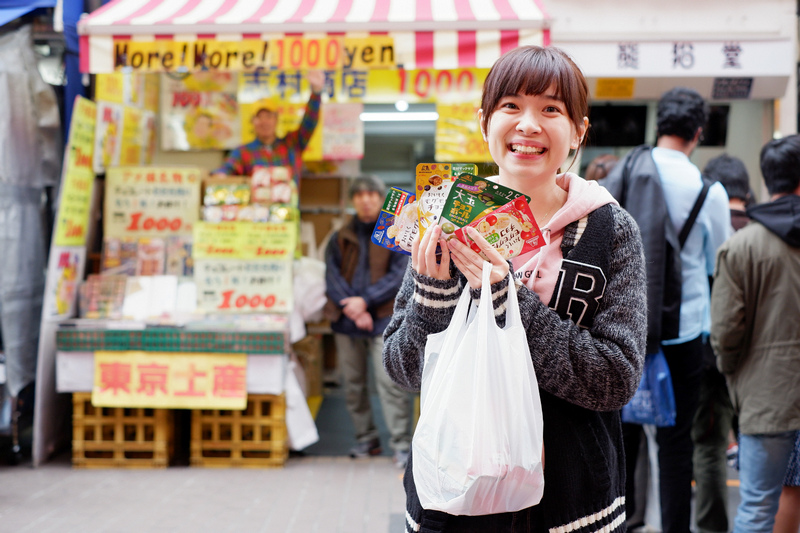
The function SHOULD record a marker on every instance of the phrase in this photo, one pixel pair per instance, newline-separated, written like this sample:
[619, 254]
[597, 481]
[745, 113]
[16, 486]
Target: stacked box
[117, 437]
[255, 437]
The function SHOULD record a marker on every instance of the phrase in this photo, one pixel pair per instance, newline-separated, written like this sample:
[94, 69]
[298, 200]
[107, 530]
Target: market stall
[214, 61]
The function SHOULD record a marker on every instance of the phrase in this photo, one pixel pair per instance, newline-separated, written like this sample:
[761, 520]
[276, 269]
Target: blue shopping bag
[654, 401]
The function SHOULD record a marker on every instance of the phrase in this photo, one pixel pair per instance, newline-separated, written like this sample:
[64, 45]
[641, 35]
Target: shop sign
[244, 240]
[151, 201]
[78, 177]
[731, 58]
[170, 380]
[241, 286]
[732, 88]
[615, 88]
[330, 52]
[368, 86]
[458, 134]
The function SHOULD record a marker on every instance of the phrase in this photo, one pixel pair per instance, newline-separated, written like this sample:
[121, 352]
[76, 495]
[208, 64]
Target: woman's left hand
[470, 263]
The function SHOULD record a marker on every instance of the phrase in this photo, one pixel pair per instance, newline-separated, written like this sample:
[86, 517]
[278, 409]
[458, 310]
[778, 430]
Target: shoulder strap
[626, 171]
[687, 227]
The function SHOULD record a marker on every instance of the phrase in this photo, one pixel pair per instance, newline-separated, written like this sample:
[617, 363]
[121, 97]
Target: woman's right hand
[423, 255]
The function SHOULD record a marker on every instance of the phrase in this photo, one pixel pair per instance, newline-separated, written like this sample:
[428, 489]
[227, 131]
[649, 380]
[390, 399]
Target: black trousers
[675, 447]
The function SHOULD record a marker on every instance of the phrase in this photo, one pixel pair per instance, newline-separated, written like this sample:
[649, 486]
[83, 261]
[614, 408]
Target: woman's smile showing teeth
[525, 149]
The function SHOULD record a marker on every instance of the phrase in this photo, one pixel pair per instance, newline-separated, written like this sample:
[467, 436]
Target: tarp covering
[440, 34]
[14, 9]
[30, 159]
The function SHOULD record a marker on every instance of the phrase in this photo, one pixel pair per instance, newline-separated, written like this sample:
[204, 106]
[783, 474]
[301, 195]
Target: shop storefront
[183, 78]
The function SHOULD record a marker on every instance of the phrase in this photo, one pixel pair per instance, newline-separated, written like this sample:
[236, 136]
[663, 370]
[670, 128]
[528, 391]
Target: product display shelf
[254, 437]
[117, 437]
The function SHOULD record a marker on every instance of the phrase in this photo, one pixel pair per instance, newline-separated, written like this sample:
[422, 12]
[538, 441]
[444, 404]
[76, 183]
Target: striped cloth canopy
[440, 34]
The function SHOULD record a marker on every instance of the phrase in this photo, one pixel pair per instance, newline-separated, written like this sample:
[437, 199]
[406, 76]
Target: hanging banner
[151, 201]
[368, 86]
[170, 380]
[239, 286]
[64, 272]
[244, 240]
[107, 136]
[147, 129]
[458, 134]
[78, 178]
[200, 112]
[130, 152]
[328, 52]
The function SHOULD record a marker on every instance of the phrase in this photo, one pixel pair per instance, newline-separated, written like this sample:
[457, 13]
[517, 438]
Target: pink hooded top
[538, 270]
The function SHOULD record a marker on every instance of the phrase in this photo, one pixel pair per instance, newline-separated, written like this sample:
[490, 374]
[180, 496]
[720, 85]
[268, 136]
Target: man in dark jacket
[362, 280]
[755, 307]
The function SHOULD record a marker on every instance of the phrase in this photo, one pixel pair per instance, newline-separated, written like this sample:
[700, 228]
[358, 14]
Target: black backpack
[643, 197]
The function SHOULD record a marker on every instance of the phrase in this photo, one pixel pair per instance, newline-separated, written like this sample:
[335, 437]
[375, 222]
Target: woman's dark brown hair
[531, 70]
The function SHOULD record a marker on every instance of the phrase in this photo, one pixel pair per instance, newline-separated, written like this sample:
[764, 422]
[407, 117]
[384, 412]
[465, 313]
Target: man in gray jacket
[755, 308]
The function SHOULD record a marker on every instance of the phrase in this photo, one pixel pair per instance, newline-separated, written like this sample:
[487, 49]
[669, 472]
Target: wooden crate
[117, 437]
[255, 437]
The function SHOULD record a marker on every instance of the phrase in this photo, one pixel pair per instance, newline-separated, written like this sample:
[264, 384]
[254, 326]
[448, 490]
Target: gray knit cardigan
[586, 371]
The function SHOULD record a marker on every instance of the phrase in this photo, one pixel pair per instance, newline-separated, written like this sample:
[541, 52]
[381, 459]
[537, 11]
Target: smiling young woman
[582, 300]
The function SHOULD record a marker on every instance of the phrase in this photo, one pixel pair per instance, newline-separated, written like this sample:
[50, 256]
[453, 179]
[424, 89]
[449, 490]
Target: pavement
[309, 494]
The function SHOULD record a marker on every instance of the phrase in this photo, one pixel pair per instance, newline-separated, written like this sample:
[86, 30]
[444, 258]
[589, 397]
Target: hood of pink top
[539, 269]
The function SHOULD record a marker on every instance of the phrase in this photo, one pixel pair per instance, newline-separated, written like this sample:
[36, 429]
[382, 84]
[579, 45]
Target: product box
[234, 190]
[397, 225]
[272, 185]
[472, 197]
[510, 229]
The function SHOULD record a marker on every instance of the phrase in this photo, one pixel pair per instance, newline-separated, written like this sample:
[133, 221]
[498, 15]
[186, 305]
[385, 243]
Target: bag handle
[512, 303]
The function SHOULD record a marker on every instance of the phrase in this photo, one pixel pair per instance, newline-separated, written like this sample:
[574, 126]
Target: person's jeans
[763, 460]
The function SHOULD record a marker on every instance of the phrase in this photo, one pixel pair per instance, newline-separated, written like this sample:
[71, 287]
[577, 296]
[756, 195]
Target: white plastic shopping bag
[477, 447]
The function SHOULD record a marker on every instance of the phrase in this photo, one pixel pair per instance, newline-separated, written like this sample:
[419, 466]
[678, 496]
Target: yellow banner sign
[170, 380]
[165, 55]
[239, 286]
[78, 177]
[458, 134]
[244, 240]
[130, 152]
[151, 201]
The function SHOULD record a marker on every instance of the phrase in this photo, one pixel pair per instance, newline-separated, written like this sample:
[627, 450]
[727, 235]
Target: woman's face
[531, 135]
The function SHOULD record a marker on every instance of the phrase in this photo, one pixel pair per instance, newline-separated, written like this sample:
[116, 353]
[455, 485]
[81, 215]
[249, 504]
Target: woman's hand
[423, 255]
[470, 263]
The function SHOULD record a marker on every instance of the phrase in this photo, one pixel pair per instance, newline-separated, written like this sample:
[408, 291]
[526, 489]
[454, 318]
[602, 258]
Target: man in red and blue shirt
[268, 150]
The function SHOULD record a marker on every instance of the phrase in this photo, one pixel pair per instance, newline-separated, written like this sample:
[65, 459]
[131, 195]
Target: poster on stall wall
[458, 134]
[147, 130]
[151, 201]
[107, 136]
[243, 286]
[64, 274]
[200, 112]
[75, 196]
[343, 134]
[170, 380]
[131, 142]
[290, 115]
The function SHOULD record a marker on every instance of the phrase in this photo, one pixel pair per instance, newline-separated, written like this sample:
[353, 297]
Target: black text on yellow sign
[248, 54]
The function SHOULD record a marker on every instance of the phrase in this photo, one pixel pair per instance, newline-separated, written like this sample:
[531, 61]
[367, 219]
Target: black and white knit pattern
[585, 374]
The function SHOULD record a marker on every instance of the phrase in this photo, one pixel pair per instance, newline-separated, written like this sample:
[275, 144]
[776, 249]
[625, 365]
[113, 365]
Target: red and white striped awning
[439, 34]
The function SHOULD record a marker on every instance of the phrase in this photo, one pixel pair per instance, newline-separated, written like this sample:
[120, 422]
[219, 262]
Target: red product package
[510, 229]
